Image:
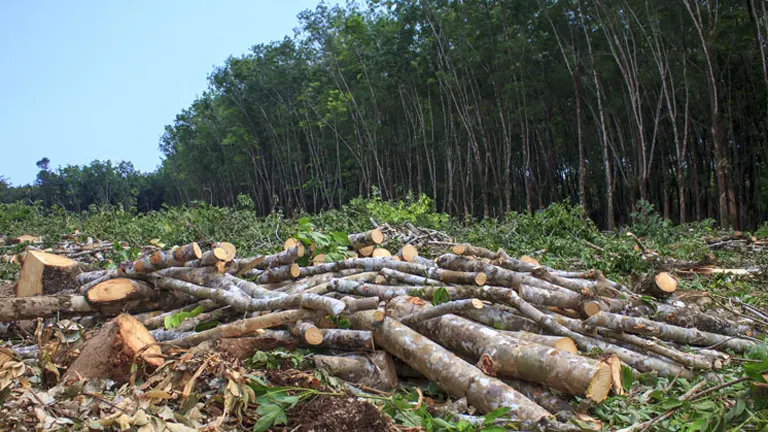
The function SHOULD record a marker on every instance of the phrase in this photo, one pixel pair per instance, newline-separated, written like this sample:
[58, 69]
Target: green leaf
[441, 296]
[343, 324]
[340, 238]
[670, 403]
[271, 414]
[493, 429]
[753, 370]
[493, 415]
[627, 378]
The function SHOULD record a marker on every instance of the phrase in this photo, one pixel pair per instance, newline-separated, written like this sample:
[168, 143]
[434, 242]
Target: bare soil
[342, 414]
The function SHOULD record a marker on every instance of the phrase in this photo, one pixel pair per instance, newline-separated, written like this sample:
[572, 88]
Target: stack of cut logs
[498, 331]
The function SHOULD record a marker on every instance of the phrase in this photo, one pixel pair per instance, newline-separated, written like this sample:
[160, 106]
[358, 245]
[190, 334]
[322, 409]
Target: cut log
[562, 343]
[242, 266]
[244, 303]
[454, 375]
[307, 332]
[469, 250]
[277, 274]
[660, 286]
[286, 257]
[25, 238]
[318, 259]
[241, 348]
[44, 273]
[113, 350]
[366, 251]
[375, 370]
[358, 304]
[408, 253]
[501, 318]
[381, 253]
[289, 243]
[563, 326]
[451, 307]
[396, 275]
[120, 290]
[495, 275]
[529, 260]
[229, 250]
[245, 327]
[361, 240]
[686, 359]
[691, 336]
[498, 354]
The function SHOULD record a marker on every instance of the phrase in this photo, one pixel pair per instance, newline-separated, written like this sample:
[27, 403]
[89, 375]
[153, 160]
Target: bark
[451, 307]
[559, 342]
[286, 257]
[244, 265]
[396, 275]
[375, 370]
[12, 309]
[277, 274]
[454, 375]
[244, 327]
[563, 326]
[368, 238]
[495, 275]
[243, 347]
[691, 336]
[243, 303]
[501, 318]
[467, 249]
[661, 286]
[358, 304]
[44, 273]
[113, 350]
[685, 359]
[502, 355]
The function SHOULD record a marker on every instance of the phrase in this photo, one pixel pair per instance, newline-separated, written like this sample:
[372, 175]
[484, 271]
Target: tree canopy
[487, 106]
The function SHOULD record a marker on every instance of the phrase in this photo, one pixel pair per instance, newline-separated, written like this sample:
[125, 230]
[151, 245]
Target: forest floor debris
[200, 338]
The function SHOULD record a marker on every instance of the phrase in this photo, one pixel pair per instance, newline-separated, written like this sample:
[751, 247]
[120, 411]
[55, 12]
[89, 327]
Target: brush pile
[491, 330]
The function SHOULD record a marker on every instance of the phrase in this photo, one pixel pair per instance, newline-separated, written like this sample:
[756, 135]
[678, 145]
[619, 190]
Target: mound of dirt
[343, 414]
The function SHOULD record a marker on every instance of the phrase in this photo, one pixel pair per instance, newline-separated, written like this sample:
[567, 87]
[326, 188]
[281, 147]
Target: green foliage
[419, 210]
[440, 296]
[174, 320]
[276, 359]
[335, 246]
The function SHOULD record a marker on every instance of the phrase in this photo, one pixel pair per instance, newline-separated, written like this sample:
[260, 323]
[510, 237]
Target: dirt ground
[343, 414]
[7, 288]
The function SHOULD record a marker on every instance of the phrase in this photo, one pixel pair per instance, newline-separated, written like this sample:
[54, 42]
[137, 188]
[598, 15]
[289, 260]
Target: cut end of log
[300, 250]
[459, 249]
[112, 290]
[220, 253]
[602, 382]
[567, 344]
[666, 282]
[44, 272]
[289, 243]
[197, 251]
[318, 259]
[481, 279]
[295, 270]
[615, 364]
[229, 250]
[366, 251]
[529, 260]
[381, 253]
[591, 308]
[377, 237]
[313, 336]
[409, 253]
[477, 304]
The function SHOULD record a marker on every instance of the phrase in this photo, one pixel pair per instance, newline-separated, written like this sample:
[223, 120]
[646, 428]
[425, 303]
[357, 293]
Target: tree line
[488, 106]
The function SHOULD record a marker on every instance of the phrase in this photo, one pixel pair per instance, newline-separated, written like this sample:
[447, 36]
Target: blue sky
[84, 80]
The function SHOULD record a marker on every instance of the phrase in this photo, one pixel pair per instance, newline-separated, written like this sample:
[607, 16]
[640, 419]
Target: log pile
[485, 327]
